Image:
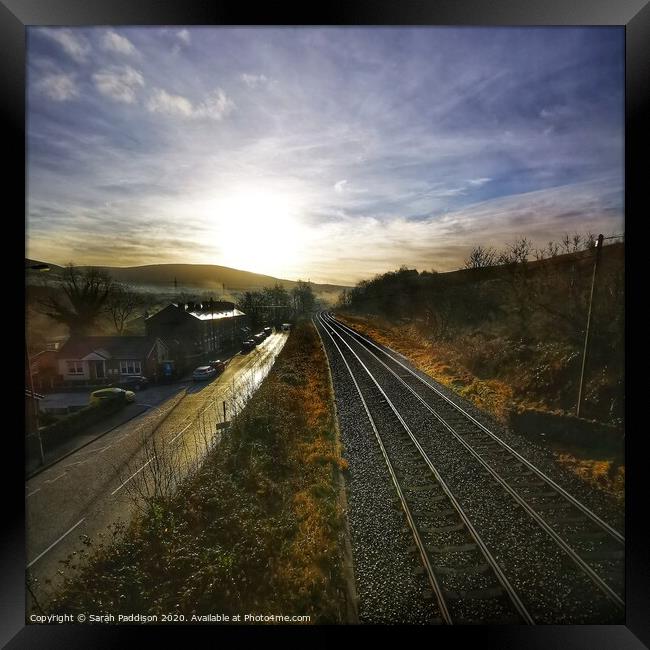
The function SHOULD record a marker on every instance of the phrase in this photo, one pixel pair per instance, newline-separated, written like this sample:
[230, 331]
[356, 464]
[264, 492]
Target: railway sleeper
[473, 569]
[544, 495]
[425, 513]
[426, 528]
[425, 488]
[518, 473]
[529, 484]
[453, 548]
[603, 554]
[485, 593]
[555, 505]
[571, 519]
[589, 535]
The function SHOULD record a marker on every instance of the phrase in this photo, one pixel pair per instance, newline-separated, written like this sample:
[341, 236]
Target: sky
[328, 154]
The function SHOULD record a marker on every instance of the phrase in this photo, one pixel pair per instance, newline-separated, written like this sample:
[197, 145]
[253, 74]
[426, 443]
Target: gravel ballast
[552, 587]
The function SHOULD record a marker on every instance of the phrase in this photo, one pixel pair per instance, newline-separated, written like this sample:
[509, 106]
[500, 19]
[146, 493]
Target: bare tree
[122, 303]
[84, 297]
[517, 252]
[480, 257]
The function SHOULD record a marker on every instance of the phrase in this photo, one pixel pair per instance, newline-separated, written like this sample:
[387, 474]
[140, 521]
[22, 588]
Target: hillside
[521, 325]
[193, 276]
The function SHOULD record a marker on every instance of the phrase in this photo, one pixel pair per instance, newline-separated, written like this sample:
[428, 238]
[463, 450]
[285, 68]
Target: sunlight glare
[257, 231]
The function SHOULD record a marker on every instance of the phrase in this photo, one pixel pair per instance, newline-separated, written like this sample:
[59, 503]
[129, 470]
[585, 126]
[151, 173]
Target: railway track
[468, 583]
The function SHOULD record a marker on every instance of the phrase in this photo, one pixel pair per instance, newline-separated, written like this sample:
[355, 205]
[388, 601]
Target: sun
[257, 231]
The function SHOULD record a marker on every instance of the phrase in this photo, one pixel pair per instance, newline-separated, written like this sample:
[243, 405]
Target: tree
[84, 298]
[480, 257]
[303, 298]
[122, 302]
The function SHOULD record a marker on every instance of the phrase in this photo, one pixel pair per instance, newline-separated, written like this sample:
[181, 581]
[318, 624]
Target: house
[45, 369]
[196, 330]
[106, 359]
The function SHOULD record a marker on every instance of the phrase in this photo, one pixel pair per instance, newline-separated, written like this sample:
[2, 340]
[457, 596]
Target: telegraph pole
[599, 245]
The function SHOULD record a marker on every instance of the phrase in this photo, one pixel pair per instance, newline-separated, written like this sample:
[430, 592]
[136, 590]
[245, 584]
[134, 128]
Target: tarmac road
[97, 485]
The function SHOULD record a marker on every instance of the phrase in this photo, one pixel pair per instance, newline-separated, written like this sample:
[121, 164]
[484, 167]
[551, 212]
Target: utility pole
[599, 246]
[37, 267]
[34, 406]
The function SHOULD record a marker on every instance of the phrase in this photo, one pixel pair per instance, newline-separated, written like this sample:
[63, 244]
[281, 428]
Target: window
[75, 367]
[130, 367]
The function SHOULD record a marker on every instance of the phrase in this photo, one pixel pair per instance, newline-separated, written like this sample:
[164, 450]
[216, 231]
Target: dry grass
[440, 361]
[605, 475]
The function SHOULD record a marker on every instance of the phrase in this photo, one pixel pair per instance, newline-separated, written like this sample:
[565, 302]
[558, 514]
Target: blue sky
[323, 153]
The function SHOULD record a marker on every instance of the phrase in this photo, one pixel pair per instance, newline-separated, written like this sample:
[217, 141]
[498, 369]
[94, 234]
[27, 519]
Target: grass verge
[256, 530]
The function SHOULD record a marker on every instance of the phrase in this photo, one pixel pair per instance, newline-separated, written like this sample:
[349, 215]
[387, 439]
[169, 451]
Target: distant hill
[192, 276]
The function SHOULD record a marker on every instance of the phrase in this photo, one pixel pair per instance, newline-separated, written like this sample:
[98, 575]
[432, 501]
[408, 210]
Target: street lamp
[35, 267]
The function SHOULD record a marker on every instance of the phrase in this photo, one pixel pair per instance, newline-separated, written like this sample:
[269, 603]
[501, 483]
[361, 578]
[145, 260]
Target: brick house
[105, 359]
[195, 331]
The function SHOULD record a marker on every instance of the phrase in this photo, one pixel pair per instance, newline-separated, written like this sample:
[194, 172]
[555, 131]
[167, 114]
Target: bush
[72, 424]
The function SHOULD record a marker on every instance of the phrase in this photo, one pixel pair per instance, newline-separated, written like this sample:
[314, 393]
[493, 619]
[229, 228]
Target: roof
[110, 347]
[220, 309]
[202, 315]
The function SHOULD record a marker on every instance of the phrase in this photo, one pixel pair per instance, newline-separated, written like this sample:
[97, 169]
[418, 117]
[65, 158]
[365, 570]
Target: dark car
[218, 365]
[247, 346]
[268, 331]
[259, 338]
[135, 382]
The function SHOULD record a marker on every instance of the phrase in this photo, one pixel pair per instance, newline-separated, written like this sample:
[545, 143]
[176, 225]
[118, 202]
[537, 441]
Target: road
[96, 486]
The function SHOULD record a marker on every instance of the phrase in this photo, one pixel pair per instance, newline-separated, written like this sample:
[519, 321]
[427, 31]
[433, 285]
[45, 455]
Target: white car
[203, 372]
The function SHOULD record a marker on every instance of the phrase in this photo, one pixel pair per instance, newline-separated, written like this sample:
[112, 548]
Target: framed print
[326, 322]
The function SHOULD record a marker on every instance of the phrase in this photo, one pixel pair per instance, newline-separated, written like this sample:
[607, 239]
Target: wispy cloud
[254, 80]
[74, 45]
[58, 86]
[215, 106]
[184, 36]
[114, 42]
[339, 186]
[119, 83]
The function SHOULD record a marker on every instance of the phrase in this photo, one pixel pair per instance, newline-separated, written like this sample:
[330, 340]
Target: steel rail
[584, 566]
[498, 571]
[549, 481]
[437, 589]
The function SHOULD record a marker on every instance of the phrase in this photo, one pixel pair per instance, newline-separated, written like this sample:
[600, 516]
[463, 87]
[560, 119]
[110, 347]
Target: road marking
[77, 462]
[51, 480]
[103, 449]
[130, 477]
[34, 492]
[182, 431]
[51, 546]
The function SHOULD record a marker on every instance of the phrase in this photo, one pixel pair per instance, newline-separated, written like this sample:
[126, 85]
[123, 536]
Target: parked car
[204, 372]
[136, 382]
[218, 365]
[247, 346]
[286, 327]
[268, 331]
[105, 394]
[259, 338]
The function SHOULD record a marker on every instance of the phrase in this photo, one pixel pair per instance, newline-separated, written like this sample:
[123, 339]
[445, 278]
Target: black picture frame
[634, 15]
